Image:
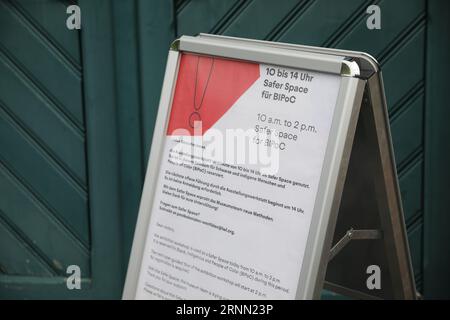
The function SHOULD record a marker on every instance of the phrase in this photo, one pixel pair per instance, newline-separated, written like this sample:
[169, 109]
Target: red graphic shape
[206, 88]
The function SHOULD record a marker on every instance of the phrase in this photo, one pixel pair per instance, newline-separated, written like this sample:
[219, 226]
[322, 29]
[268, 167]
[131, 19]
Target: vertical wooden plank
[437, 153]
[156, 31]
[102, 147]
[129, 117]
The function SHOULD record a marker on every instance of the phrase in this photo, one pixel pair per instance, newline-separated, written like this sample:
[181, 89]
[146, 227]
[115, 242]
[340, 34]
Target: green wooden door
[77, 110]
[59, 185]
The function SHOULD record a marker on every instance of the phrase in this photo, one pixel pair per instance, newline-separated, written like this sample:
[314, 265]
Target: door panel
[58, 188]
[43, 180]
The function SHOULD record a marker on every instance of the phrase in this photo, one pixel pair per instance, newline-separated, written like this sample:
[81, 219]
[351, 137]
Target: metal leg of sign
[354, 235]
[371, 204]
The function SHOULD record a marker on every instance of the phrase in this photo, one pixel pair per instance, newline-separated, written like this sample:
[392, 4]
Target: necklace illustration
[195, 115]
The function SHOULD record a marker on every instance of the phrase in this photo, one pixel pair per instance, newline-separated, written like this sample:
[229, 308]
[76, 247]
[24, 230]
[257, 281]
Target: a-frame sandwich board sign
[329, 213]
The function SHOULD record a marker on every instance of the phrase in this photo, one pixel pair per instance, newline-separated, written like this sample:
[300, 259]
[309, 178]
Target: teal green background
[77, 110]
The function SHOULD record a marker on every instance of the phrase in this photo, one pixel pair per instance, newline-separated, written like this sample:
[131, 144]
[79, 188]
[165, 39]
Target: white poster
[238, 180]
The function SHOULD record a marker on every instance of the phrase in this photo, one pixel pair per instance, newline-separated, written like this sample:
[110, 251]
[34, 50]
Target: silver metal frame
[330, 188]
[388, 199]
[143, 220]
[367, 64]
[252, 51]
[355, 68]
